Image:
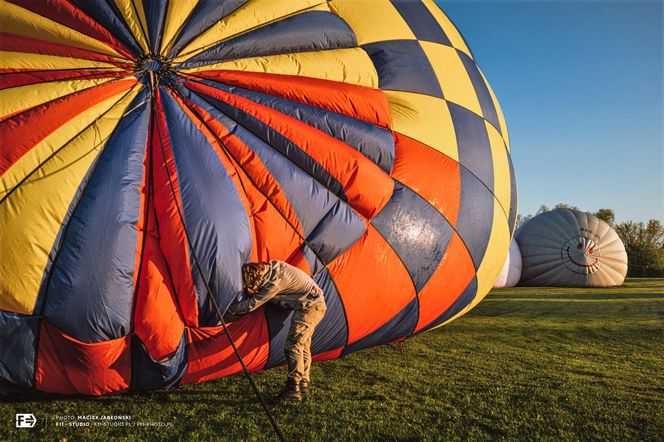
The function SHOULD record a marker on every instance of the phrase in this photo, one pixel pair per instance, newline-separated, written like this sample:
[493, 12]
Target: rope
[258, 394]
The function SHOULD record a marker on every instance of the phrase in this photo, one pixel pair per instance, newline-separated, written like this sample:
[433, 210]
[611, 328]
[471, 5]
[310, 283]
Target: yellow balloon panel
[18, 21]
[32, 215]
[346, 65]
[20, 98]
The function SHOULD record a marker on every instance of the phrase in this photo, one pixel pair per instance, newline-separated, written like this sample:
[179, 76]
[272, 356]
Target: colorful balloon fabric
[570, 248]
[151, 148]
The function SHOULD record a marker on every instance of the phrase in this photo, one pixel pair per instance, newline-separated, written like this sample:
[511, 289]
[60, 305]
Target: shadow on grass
[176, 396]
[549, 298]
[523, 294]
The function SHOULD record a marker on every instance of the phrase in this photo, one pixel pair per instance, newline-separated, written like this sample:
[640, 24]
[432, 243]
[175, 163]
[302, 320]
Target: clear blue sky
[580, 83]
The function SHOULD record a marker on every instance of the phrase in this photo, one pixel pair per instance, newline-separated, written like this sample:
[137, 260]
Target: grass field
[527, 363]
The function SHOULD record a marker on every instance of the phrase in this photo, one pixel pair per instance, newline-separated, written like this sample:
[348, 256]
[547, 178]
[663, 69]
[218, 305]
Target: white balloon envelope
[570, 248]
[511, 273]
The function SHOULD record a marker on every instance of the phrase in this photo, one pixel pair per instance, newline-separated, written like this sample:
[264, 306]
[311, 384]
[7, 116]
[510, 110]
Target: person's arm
[250, 304]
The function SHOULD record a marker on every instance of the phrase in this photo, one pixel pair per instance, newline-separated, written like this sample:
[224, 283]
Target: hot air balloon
[511, 272]
[151, 148]
[570, 248]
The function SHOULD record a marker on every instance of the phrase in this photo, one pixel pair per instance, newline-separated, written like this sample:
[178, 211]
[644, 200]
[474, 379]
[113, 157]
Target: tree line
[644, 242]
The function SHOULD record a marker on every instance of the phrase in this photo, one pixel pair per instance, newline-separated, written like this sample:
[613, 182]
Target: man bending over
[281, 283]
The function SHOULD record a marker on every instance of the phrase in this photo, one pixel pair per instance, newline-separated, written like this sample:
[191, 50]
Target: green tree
[606, 215]
[521, 219]
[565, 206]
[644, 244]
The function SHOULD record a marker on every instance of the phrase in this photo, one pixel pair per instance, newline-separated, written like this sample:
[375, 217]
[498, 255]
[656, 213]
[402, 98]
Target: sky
[581, 87]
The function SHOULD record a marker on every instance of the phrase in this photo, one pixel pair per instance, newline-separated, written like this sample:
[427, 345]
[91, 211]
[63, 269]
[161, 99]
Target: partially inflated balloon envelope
[151, 148]
[570, 248]
[511, 272]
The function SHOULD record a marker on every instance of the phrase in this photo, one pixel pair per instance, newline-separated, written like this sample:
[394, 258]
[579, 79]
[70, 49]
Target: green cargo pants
[298, 342]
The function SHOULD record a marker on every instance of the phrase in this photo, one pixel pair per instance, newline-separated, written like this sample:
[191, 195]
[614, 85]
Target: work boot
[304, 387]
[291, 393]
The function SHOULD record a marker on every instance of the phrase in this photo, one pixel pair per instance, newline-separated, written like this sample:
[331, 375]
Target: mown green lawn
[527, 363]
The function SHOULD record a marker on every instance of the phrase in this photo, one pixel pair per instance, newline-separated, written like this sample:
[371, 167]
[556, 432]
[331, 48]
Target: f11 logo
[25, 420]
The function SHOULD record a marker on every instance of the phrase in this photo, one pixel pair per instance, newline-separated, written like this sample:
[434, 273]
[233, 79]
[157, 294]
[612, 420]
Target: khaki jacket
[284, 285]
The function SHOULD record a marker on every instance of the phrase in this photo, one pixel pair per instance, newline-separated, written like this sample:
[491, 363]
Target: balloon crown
[155, 67]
